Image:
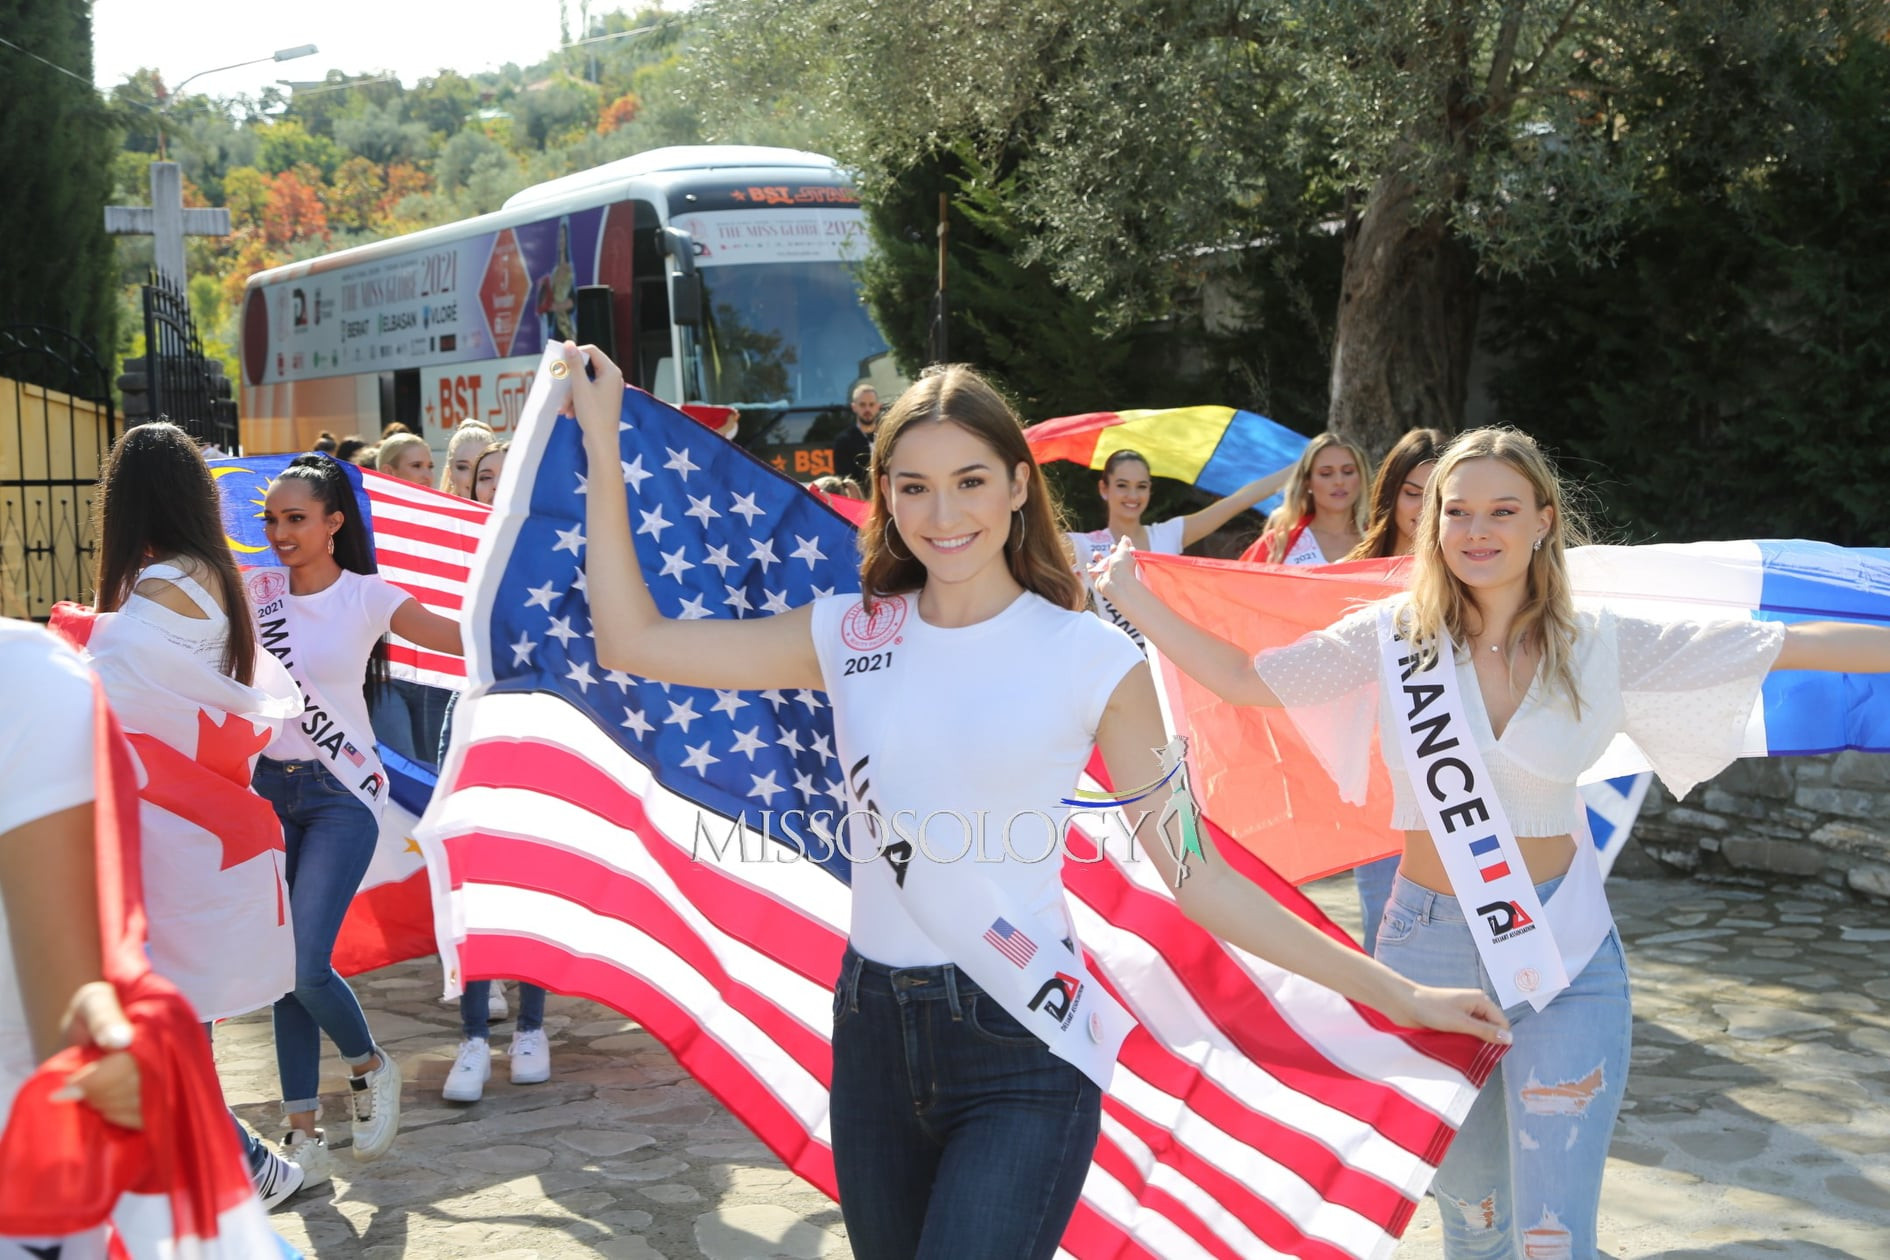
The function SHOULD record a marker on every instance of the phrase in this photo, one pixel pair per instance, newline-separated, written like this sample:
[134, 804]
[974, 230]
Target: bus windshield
[783, 334]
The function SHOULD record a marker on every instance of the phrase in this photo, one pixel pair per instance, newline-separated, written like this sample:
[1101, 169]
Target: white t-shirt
[935, 725]
[1682, 691]
[1165, 538]
[334, 633]
[46, 765]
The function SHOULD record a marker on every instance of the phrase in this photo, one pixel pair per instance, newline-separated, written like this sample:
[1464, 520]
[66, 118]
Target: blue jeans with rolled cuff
[957, 1135]
[329, 838]
[1523, 1177]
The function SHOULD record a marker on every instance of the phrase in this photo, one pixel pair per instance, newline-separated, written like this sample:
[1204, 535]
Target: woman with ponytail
[324, 614]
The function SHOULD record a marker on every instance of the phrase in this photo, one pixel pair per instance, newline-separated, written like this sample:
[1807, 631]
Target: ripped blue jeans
[1523, 1177]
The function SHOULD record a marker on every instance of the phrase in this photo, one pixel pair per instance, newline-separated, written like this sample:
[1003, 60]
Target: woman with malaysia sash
[970, 1043]
[1322, 516]
[1492, 691]
[1125, 484]
[323, 614]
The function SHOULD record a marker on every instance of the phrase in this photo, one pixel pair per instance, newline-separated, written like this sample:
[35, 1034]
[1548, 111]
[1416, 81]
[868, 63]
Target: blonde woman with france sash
[1491, 690]
[323, 614]
[966, 681]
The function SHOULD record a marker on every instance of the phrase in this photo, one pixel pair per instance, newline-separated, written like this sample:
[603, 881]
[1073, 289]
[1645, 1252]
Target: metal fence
[177, 382]
[56, 426]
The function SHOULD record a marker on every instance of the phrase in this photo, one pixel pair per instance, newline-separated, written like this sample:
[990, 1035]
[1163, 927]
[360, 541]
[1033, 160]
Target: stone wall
[1817, 818]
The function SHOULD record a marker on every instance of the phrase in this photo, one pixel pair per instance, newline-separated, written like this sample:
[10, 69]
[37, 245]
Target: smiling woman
[326, 624]
[1489, 686]
[966, 681]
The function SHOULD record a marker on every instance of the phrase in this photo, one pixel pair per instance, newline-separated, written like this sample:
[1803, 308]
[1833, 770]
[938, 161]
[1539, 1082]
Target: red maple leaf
[212, 790]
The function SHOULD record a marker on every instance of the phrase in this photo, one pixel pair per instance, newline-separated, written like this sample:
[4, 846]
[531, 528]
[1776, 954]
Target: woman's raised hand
[1115, 573]
[596, 394]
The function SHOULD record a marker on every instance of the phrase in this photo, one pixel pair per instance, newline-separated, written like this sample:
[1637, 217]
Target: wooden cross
[166, 220]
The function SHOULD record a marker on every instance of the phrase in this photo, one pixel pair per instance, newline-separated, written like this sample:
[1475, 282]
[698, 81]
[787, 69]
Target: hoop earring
[1023, 528]
[891, 532]
[331, 544]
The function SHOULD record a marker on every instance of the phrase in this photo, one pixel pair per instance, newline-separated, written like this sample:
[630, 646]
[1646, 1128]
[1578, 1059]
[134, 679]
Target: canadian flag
[177, 1190]
[214, 890]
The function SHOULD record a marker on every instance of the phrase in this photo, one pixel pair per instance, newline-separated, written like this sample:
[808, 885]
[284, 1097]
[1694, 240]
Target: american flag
[1010, 942]
[642, 845]
[423, 542]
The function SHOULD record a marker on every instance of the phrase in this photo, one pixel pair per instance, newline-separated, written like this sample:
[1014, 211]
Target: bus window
[649, 305]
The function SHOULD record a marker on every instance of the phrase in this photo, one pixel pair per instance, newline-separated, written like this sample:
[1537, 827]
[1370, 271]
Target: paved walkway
[1757, 1124]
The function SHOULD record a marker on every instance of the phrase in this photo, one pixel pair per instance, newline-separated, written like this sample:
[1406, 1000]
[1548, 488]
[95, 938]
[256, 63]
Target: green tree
[1728, 376]
[443, 102]
[1451, 140]
[57, 140]
[287, 144]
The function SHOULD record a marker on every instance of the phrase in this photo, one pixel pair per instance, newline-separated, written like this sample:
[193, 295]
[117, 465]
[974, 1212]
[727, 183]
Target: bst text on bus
[718, 276]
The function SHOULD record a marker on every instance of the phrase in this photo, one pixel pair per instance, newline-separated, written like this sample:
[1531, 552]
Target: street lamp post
[281, 54]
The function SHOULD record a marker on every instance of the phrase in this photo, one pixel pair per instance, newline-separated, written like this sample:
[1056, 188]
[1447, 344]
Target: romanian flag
[1216, 449]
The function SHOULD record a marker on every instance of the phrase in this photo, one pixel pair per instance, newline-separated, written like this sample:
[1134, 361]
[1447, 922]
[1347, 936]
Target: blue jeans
[474, 1021]
[409, 717]
[956, 1134]
[329, 837]
[1374, 890]
[1524, 1174]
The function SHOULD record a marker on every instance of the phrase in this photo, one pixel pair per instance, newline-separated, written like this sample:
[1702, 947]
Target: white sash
[1487, 873]
[1052, 994]
[1305, 549]
[350, 758]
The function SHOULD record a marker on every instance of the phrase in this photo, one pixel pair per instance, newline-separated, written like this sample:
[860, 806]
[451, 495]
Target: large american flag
[585, 838]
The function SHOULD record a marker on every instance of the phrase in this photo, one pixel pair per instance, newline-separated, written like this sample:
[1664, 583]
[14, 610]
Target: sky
[411, 38]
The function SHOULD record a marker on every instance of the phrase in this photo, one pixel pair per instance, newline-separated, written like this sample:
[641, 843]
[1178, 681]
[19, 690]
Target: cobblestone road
[1757, 1123]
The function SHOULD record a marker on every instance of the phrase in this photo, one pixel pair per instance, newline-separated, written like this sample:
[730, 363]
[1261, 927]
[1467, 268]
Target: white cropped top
[1681, 691]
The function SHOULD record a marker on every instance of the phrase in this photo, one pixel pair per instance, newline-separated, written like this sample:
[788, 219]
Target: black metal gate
[179, 384]
[56, 426]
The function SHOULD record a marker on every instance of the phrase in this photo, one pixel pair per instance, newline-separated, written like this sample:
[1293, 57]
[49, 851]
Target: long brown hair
[1297, 505]
[953, 393]
[1414, 450]
[157, 500]
[1546, 619]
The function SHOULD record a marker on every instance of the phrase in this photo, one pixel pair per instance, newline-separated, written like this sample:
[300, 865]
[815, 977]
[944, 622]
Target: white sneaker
[471, 1070]
[278, 1178]
[310, 1159]
[376, 1108]
[531, 1058]
[496, 1007]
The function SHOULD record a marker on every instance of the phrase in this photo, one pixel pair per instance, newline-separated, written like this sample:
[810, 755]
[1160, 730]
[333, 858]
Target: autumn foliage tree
[293, 211]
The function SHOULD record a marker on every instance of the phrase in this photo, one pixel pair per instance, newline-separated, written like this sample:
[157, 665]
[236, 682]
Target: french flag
[1489, 856]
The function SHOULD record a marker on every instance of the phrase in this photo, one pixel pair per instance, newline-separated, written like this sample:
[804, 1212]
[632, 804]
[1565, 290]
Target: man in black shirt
[853, 449]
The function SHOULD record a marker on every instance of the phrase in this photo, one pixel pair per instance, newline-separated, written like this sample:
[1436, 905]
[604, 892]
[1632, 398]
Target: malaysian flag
[1010, 942]
[423, 542]
[658, 849]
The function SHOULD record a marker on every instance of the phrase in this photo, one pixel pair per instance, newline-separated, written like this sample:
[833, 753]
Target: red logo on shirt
[863, 632]
[267, 585]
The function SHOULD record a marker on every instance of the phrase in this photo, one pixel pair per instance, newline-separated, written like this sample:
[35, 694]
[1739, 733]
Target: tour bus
[718, 276]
